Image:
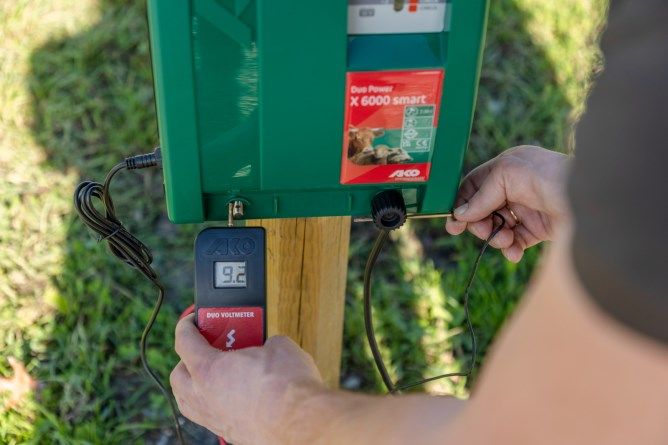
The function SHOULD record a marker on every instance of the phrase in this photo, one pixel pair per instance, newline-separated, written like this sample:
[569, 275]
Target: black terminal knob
[388, 210]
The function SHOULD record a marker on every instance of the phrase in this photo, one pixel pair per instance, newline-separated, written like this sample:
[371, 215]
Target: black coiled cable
[126, 247]
[368, 316]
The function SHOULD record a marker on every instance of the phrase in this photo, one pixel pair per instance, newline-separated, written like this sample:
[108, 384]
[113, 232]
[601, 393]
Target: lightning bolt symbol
[230, 338]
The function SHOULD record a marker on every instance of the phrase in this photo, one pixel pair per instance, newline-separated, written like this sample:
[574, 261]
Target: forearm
[560, 360]
[325, 416]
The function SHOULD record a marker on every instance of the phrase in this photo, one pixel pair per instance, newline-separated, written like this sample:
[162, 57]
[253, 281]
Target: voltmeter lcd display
[229, 274]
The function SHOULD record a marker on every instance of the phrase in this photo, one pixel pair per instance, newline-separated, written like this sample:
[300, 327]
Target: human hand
[245, 396]
[528, 180]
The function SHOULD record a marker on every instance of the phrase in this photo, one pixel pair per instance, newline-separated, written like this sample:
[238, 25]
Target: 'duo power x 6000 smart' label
[390, 125]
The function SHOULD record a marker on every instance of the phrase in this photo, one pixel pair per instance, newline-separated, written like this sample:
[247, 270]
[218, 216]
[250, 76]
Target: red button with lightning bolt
[229, 328]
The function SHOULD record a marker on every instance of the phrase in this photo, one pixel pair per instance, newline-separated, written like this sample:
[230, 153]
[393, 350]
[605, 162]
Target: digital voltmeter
[230, 286]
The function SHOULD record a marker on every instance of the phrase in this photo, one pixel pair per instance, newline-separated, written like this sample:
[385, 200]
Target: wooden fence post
[307, 261]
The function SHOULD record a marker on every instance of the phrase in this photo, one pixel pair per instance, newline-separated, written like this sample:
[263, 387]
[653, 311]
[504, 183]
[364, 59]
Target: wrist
[554, 192]
[303, 410]
[318, 415]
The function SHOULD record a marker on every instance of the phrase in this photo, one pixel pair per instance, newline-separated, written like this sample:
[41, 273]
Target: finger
[472, 181]
[195, 352]
[504, 238]
[276, 341]
[285, 346]
[467, 189]
[504, 222]
[508, 220]
[528, 238]
[182, 385]
[185, 394]
[454, 227]
[490, 196]
[281, 342]
[180, 379]
[513, 253]
[481, 229]
[523, 240]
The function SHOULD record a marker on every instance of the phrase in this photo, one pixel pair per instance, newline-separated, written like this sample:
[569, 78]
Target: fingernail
[514, 255]
[459, 211]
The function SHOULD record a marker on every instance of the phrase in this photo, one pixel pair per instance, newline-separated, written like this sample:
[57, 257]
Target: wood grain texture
[307, 260]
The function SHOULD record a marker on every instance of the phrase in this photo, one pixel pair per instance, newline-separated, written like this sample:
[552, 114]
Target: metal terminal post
[230, 214]
[235, 210]
[238, 210]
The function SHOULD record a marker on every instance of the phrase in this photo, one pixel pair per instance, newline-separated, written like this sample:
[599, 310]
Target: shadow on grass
[519, 102]
[92, 106]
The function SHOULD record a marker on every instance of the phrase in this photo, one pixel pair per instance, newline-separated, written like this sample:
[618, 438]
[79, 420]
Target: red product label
[232, 327]
[390, 125]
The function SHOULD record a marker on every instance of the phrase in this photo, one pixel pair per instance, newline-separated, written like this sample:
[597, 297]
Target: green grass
[76, 96]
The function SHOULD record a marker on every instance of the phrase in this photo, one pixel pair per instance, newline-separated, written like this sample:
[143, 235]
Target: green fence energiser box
[301, 108]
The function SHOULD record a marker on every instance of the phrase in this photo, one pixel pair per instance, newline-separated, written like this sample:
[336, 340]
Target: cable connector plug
[144, 161]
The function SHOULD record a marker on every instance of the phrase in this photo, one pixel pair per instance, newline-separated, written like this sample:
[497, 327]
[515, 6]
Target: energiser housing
[308, 108]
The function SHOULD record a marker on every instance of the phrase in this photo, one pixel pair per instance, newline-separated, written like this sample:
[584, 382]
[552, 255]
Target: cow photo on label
[361, 150]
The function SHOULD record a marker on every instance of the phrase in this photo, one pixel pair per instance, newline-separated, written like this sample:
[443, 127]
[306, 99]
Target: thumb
[490, 196]
[194, 350]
